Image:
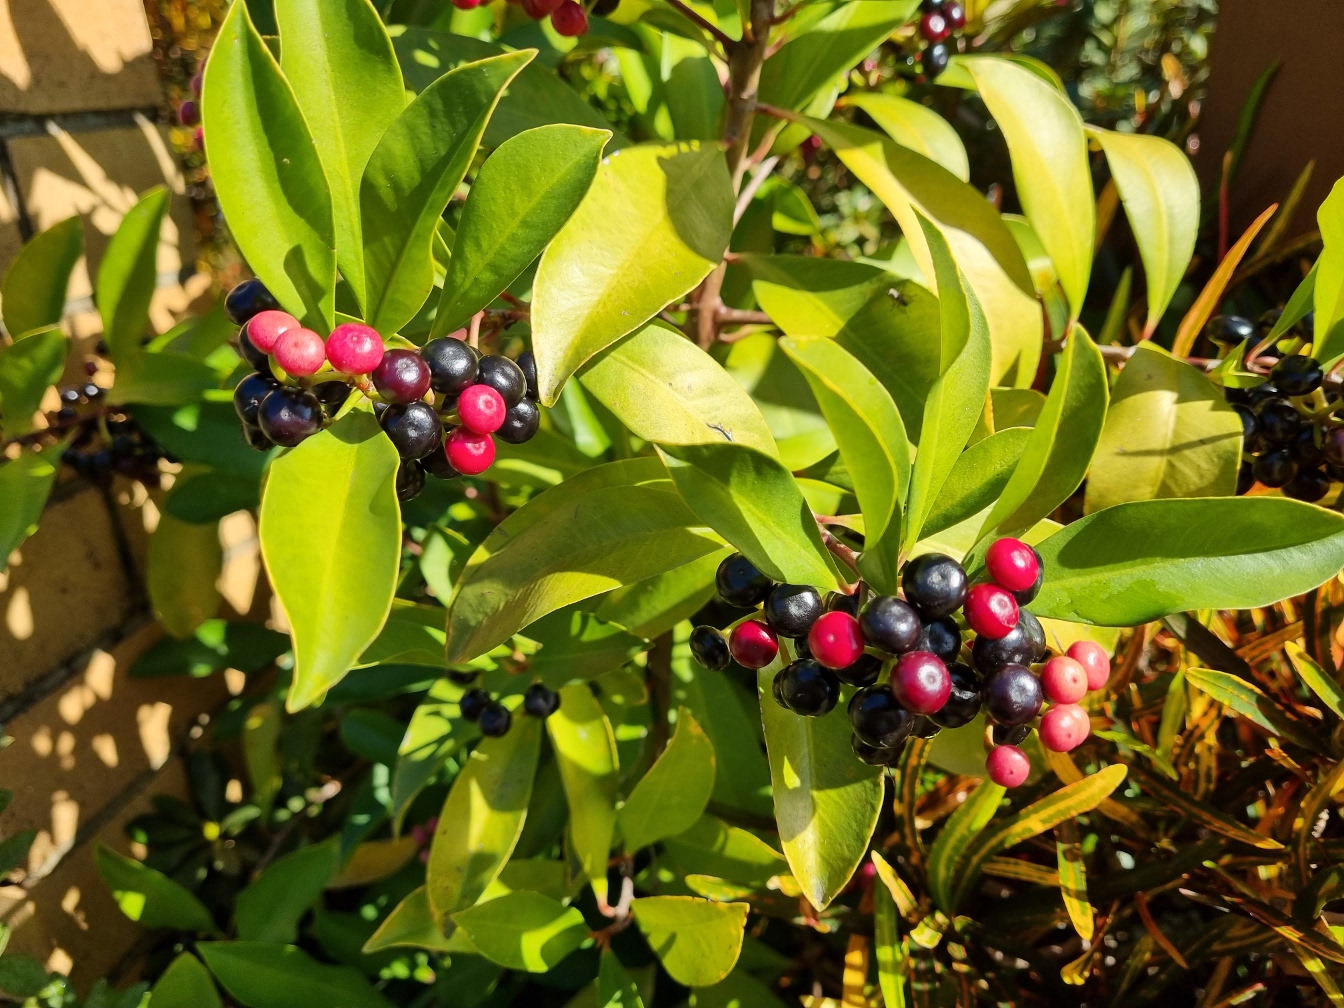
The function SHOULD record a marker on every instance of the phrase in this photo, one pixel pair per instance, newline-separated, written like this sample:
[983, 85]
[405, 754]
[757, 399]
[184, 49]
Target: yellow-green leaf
[1248, 700]
[1073, 878]
[1325, 688]
[33, 292]
[696, 940]
[128, 275]
[671, 796]
[411, 923]
[524, 930]
[956, 836]
[1201, 813]
[585, 749]
[184, 564]
[185, 984]
[915, 126]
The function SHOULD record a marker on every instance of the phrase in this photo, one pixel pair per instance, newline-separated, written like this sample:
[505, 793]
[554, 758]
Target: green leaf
[1073, 878]
[412, 635]
[873, 446]
[267, 173]
[1045, 137]
[792, 211]
[1200, 813]
[755, 503]
[826, 801]
[671, 796]
[1249, 701]
[655, 221]
[14, 849]
[331, 538]
[524, 930]
[268, 910]
[697, 941]
[207, 433]
[615, 987]
[185, 984]
[1134, 563]
[578, 646]
[436, 731]
[712, 847]
[1057, 454]
[161, 379]
[32, 294]
[651, 607]
[1325, 688]
[977, 479]
[482, 817]
[27, 369]
[1168, 433]
[260, 975]
[1329, 290]
[201, 497]
[128, 274]
[1160, 192]
[217, 644]
[25, 483]
[520, 198]
[184, 564]
[915, 126]
[412, 173]
[957, 399]
[584, 542]
[585, 749]
[957, 834]
[149, 897]
[891, 954]
[22, 976]
[339, 61]
[667, 390]
[411, 923]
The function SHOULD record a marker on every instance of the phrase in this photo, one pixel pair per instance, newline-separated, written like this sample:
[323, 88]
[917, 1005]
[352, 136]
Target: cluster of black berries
[441, 406]
[104, 441]
[491, 716]
[940, 18]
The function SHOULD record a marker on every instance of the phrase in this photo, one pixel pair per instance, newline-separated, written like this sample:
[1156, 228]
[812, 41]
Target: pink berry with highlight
[835, 640]
[990, 611]
[1008, 766]
[1064, 680]
[1064, 727]
[300, 352]
[1092, 657]
[570, 19]
[265, 328]
[752, 644]
[354, 348]
[920, 682]
[481, 409]
[1012, 564]
[470, 453]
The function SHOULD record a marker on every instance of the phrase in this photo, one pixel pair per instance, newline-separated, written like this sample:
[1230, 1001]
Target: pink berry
[466, 4]
[1092, 657]
[1008, 765]
[956, 15]
[570, 19]
[264, 328]
[835, 640]
[1064, 680]
[934, 27]
[921, 682]
[197, 82]
[470, 453]
[536, 10]
[1012, 564]
[300, 352]
[198, 138]
[990, 611]
[481, 409]
[354, 348]
[753, 644]
[1064, 727]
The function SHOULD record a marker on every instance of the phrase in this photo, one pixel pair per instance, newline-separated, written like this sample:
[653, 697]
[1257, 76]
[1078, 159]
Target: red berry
[470, 453]
[753, 644]
[536, 10]
[921, 682]
[300, 352]
[1012, 564]
[1008, 765]
[1064, 680]
[198, 138]
[189, 113]
[401, 377]
[956, 15]
[570, 19]
[354, 348]
[481, 409]
[466, 4]
[990, 611]
[1093, 658]
[264, 328]
[835, 640]
[1064, 727]
[934, 27]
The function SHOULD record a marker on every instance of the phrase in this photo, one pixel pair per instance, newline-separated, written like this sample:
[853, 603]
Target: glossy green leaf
[338, 59]
[792, 211]
[826, 801]
[32, 294]
[25, 484]
[482, 817]
[1061, 444]
[889, 949]
[161, 379]
[411, 923]
[411, 635]
[149, 897]
[655, 221]
[666, 390]
[696, 940]
[267, 173]
[217, 644]
[261, 975]
[585, 749]
[128, 274]
[412, 173]
[331, 538]
[1328, 302]
[670, 798]
[578, 646]
[1168, 433]
[1245, 698]
[873, 446]
[27, 369]
[436, 731]
[957, 399]
[524, 930]
[184, 564]
[185, 984]
[915, 126]
[14, 849]
[1325, 688]
[754, 503]
[977, 479]
[957, 834]
[520, 198]
[651, 607]
[1134, 563]
[268, 910]
[201, 497]
[1045, 137]
[712, 847]
[1160, 193]
[780, 392]
[615, 987]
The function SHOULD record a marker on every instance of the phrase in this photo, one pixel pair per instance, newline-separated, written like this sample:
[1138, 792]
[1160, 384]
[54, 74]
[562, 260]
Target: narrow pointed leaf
[978, 479]
[128, 274]
[891, 956]
[1328, 301]
[185, 984]
[184, 564]
[1325, 688]
[27, 369]
[149, 897]
[1196, 810]
[615, 987]
[585, 748]
[1212, 295]
[269, 909]
[1248, 700]
[1073, 878]
[915, 126]
[670, 798]
[957, 834]
[32, 294]
[411, 924]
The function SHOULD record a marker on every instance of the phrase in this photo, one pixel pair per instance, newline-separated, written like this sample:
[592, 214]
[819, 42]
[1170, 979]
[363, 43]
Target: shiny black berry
[1249, 427]
[257, 358]
[941, 637]
[1279, 423]
[710, 648]
[792, 609]
[473, 702]
[505, 377]
[402, 376]
[1309, 485]
[1013, 695]
[878, 719]
[1245, 478]
[890, 625]
[935, 60]
[1275, 469]
[332, 395]
[1028, 595]
[739, 583]
[872, 755]
[841, 602]
[1024, 644]
[256, 438]
[1010, 734]
[288, 415]
[934, 584]
[807, 688]
[925, 728]
[1297, 375]
[863, 672]
[464, 677]
[414, 429]
[410, 480]
[964, 702]
[247, 299]
[495, 720]
[527, 364]
[1229, 329]
[437, 465]
[540, 700]
[248, 394]
[452, 364]
[521, 423]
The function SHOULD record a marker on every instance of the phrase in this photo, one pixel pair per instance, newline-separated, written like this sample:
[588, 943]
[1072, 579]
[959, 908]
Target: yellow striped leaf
[1246, 699]
[1325, 688]
[962, 827]
[1073, 878]
[1201, 813]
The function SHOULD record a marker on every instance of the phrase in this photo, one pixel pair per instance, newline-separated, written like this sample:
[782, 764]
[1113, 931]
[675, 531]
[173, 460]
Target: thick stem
[744, 78]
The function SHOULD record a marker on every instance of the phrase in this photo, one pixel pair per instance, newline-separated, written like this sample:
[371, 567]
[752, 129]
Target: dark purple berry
[792, 609]
[540, 700]
[934, 584]
[1021, 646]
[256, 438]
[1230, 329]
[924, 728]
[332, 395]
[289, 415]
[495, 720]
[1028, 595]
[257, 358]
[402, 376]
[1275, 469]
[1279, 423]
[739, 583]
[437, 465]
[808, 688]
[1013, 695]
[1248, 421]
[1305, 449]
[872, 755]
[248, 394]
[941, 637]
[863, 672]
[505, 377]
[710, 648]
[247, 299]
[935, 60]
[473, 702]
[452, 365]
[414, 429]
[464, 677]
[963, 704]
[841, 602]
[1309, 485]
[527, 364]
[1297, 375]
[890, 625]
[1010, 734]
[521, 423]
[878, 719]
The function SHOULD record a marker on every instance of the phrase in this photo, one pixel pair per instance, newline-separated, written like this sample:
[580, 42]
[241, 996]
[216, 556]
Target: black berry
[402, 376]
[807, 688]
[1297, 375]
[288, 415]
[840, 602]
[924, 728]
[473, 702]
[464, 677]
[872, 755]
[878, 719]
[1279, 423]
[863, 672]
[495, 720]
[1305, 449]
[452, 365]
[941, 637]
[437, 465]
[527, 364]
[934, 584]
[540, 700]
[1021, 646]
[964, 703]
[1245, 478]
[247, 299]
[1229, 329]
[890, 625]
[1249, 427]
[332, 395]
[256, 438]
[935, 59]
[1010, 734]
[710, 648]
[1310, 485]
[521, 423]
[1013, 695]
[410, 480]
[257, 358]
[1275, 469]
[739, 583]
[505, 377]
[248, 394]
[1027, 595]
[414, 429]
[70, 396]
[792, 609]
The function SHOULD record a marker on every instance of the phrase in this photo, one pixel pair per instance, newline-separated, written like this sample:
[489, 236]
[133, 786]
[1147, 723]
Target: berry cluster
[439, 405]
[189, 111]
[917, 642]
[568, 17]
[494, 719]
[103, 441]
[1286, 445]
[939, 19]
